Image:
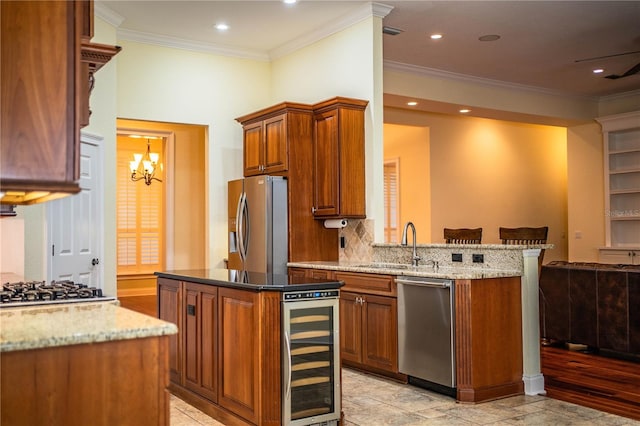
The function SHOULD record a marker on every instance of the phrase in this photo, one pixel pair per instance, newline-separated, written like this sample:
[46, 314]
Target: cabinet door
[169, 309]
[40, 135]
[238, 350]
[298, 272]
[634, 313]
[200, 369]
[617, 257]
[583, 307]
[326, 164]
[350, 327]
[380, 332]
[275, 144]
[613, 310]
[253, 149]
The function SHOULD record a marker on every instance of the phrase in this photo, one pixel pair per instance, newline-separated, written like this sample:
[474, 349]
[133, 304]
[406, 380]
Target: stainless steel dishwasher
[426, 341]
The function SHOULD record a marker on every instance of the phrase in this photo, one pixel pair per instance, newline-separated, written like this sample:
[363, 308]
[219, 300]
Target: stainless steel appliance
[258, 224]
[426, 341]
[27, 293]
[311, 358]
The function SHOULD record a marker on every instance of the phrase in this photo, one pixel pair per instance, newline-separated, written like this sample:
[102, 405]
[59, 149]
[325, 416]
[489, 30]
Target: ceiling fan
[631, 71]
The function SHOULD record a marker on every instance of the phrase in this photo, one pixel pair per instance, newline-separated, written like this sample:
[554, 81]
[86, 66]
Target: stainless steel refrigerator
[258, 224]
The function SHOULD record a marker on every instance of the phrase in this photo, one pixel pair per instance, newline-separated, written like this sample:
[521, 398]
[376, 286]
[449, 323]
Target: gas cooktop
[28, 293]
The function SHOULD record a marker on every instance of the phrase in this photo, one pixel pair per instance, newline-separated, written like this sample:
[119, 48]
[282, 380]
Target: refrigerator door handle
[240, 237]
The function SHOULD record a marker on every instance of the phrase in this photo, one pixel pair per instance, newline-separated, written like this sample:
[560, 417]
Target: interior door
[75, 225]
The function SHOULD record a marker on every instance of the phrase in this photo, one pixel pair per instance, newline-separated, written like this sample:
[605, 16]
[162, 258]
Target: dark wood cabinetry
[369, 322]
[338, 159]
[268, 133]
[120, 382]
[591, 304]
[226, 359]
[280, 140]
[170, 309]
[45, 89]
[199, 334]
[488, 336]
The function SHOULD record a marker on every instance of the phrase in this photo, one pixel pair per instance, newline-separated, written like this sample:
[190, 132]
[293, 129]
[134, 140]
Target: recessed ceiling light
[412, 103]
[489, 37]
[598, 71]
[465, 110]
[289, 1]
[222, 26]
[435, 36]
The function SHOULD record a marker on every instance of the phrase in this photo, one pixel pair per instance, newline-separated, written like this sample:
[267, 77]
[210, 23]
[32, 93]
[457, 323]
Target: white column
[531, 373]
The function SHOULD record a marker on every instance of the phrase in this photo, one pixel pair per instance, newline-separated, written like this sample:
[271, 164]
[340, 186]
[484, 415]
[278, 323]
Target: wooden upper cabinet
[42, 85]
[267, 135]
[338, 159]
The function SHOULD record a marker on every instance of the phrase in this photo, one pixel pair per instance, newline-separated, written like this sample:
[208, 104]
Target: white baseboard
[142, 291]
[534, 385]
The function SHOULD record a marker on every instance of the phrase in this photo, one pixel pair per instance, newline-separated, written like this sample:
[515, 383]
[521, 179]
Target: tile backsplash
[358, 238]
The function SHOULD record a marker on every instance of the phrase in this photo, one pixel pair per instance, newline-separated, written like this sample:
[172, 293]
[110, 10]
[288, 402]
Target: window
[140, 209]
[391, 200]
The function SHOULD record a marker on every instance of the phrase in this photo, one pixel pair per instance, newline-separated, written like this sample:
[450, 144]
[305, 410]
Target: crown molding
[105, 13]
[431, 72]
[381, 10]
[619, 96]
[359, 14]
[197, 46]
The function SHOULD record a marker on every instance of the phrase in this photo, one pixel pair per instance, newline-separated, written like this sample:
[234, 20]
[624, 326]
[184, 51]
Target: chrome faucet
[415, 258]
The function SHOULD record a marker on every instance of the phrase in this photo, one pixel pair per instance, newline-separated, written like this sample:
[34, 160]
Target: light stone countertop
[43, 326]
[456, 273]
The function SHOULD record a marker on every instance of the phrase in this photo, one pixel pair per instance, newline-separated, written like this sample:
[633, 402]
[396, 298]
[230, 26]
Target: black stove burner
[39, 291]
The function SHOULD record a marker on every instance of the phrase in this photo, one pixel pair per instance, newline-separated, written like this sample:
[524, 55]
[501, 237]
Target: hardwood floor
[143, 304]
[589, 380]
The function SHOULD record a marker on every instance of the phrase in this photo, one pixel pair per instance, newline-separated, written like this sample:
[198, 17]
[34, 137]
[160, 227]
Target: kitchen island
[83, 363]
[228, 356]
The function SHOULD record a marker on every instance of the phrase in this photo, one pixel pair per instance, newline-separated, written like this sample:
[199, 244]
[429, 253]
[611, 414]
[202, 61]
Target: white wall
[171, 85]
[347, 64]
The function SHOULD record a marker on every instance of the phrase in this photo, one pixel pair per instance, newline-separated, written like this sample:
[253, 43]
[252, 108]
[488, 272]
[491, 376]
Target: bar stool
[463, 235]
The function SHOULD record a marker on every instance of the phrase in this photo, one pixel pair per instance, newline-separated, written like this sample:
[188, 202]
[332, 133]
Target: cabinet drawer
[368, 283]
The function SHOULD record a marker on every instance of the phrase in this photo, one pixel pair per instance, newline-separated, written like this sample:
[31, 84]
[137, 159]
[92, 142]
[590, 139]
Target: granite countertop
[43, 326]
[456, 273]
[247, 280]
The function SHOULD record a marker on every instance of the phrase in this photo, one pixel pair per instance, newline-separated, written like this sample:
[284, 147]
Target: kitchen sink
[386, 266]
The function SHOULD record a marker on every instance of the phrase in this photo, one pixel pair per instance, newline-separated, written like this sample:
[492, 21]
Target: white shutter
[391, 200]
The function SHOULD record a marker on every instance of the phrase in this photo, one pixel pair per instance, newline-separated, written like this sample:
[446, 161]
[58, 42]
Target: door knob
[95, 261]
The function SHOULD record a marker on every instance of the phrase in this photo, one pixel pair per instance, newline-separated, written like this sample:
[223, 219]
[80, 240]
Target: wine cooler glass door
[311, 362]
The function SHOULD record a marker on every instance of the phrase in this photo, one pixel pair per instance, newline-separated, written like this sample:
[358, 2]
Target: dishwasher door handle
[424, 283]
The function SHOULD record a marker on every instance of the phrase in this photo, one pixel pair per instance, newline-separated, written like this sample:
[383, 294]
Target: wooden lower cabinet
[488, 319]
[322, 274]
[228, 354]
[239, 354]
[369, 332]
[122, 382]
[369, 323]
[200, 332]
[170, 309]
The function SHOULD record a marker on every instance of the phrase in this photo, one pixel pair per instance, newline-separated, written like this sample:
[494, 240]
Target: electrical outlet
[456, 257]
[477, 258]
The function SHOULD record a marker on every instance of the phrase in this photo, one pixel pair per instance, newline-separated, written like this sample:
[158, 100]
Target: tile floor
[373, 401]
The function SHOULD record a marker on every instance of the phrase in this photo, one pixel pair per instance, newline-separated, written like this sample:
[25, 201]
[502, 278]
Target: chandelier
[145, 166]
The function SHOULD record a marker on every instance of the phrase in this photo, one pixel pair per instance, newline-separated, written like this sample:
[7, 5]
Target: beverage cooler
[311, 358]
